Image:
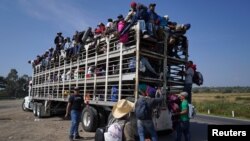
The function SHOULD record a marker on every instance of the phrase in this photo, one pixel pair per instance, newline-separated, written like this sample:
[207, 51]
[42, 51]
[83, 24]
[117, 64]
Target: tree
[2, 82]
[2, 79]
[2, 86]
[15, 86]
[12, 76]
[11, 79]
[22, 86]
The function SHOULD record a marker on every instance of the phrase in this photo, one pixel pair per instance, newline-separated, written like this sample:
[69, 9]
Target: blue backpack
[141, 109]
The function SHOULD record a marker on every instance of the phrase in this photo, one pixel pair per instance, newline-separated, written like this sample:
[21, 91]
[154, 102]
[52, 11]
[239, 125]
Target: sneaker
[177, 56]
[71, 138]
[152, 39]
[145, 36]
[78, 137]
[149, 38]
[161, 76]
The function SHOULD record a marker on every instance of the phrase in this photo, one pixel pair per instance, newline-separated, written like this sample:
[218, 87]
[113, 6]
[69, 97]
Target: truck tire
[23, 106]
[89, 119]
[35, 108]
[39, 110]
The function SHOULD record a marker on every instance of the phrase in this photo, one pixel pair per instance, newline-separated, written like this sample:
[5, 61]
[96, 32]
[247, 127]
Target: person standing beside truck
[189, 73]
[183, 123]
[143, 111]
[75, 106]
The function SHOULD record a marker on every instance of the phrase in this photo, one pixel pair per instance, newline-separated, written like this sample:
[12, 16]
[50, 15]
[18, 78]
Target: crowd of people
[152, 27]
[131, 121]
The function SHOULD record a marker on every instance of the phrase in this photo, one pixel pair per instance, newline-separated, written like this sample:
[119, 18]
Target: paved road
[199, 126]
[23, 126]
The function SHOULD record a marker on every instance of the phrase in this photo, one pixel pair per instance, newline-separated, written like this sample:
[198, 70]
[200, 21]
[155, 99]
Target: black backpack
[141, 109]
[198, 78]
[99, 134]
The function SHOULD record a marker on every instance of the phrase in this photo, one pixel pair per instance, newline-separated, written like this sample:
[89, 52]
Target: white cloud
[61, 13]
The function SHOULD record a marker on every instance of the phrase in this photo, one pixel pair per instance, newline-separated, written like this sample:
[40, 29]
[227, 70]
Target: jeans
[146, 125]
[75, 119]
[188, 89]
[77, 49]
[142, 26]
[150, 29]
[148, 66]
[183, 127]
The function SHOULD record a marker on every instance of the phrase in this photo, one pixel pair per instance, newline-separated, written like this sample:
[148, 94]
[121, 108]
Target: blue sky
[219, 40]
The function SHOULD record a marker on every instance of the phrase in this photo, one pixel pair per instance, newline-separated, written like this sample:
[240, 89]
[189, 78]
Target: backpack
[99, 134]
[121, 26]
[114, 132]
[141, 109]
[191, 111]
[198, 78]
[85, 35]
[173, 103]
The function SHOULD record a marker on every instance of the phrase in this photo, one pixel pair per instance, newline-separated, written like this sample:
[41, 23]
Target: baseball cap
[185, 94]
[166, 17]
[120, 16]
[152, 4]
[133, 4]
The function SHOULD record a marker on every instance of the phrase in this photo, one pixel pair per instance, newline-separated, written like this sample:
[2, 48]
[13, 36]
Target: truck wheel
[23, 106]
[89, 119]
[35, 108]
[39, 110]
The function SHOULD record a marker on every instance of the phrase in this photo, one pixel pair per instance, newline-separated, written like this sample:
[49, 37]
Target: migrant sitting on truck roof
[59, 39]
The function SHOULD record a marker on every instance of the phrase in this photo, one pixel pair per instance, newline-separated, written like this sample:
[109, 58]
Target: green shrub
[218, 96]
[224, 108]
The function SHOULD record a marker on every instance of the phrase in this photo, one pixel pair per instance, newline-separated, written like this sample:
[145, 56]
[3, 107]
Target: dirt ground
[17, 125]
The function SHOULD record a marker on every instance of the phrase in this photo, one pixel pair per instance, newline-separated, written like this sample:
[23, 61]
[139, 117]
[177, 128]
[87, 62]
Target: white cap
[185, 94]
[166, 17]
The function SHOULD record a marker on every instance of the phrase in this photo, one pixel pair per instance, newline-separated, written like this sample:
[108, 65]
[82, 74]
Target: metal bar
[120, 72]
[86, 69]
[94, 92]
[107, 69]
[137, 29]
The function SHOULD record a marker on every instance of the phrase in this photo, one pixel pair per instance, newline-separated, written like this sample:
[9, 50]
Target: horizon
[218, 37]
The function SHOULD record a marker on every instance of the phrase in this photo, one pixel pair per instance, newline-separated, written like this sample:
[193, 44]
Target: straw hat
[122, 107]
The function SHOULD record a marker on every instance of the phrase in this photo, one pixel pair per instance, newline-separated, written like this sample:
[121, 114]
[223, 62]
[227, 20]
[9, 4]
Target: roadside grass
[223, 104]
